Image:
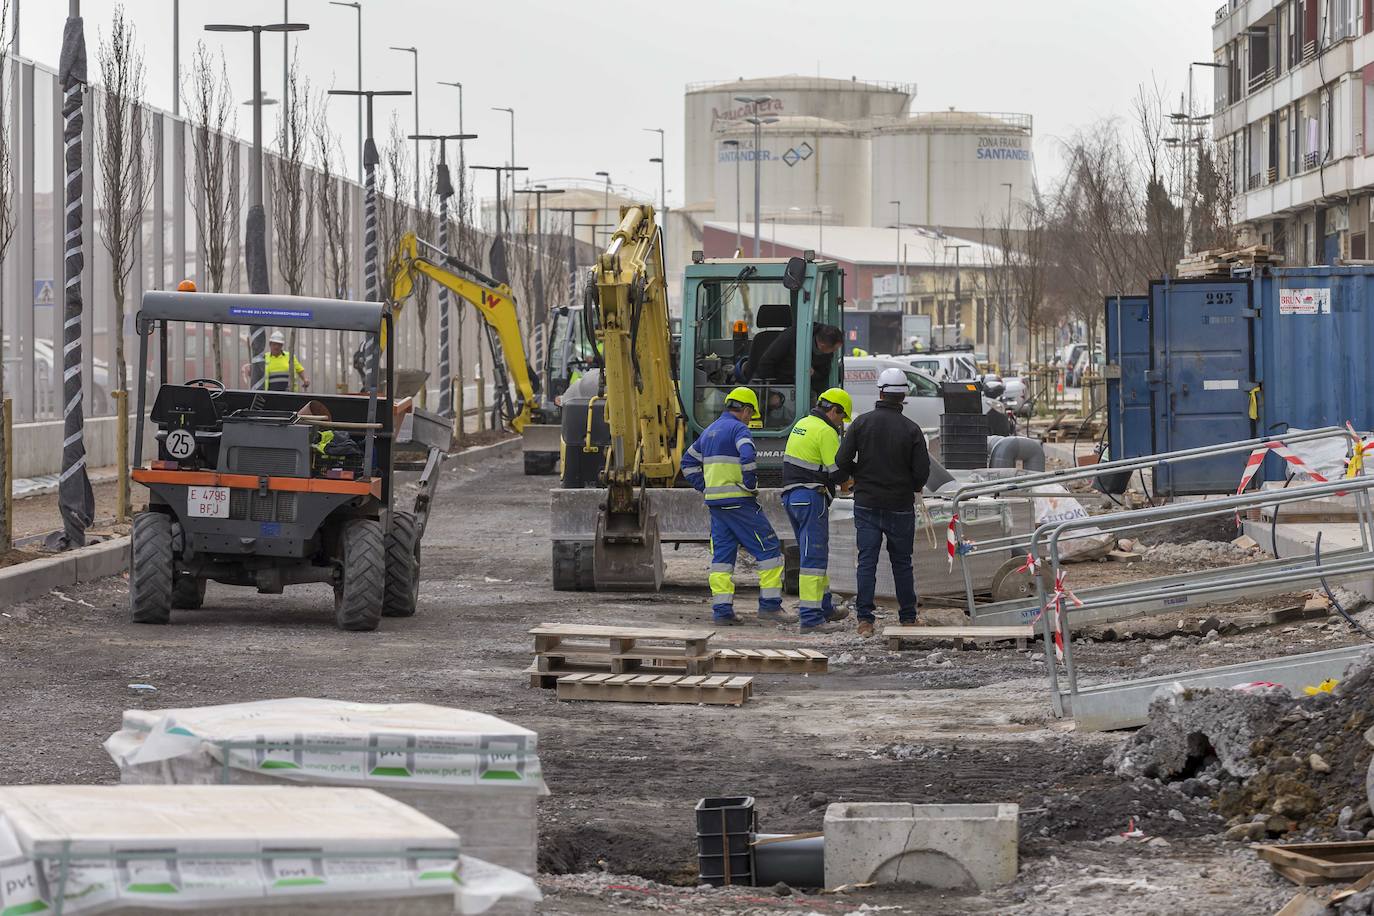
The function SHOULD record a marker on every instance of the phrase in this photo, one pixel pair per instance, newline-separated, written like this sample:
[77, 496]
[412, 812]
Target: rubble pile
[1272, 764]
[1200, 554]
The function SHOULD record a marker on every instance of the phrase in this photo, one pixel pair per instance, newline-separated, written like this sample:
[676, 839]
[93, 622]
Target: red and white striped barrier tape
[951, 541]
[1055, 605]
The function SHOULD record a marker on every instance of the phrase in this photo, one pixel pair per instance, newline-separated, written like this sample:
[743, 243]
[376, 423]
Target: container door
[1129, 433]
[1204, 368]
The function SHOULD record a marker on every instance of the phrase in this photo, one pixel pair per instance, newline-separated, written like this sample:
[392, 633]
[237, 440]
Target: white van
[923, 403]
[924, 406]
[944, 367]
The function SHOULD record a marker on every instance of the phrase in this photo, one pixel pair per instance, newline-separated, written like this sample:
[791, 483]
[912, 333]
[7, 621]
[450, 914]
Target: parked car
[955, 366]
[924, 406]
[47, 400]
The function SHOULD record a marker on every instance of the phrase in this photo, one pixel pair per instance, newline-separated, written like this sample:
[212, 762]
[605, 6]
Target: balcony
[1259, 81]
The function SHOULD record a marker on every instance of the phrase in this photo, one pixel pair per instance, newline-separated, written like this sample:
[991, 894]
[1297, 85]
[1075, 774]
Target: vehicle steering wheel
[215, 385]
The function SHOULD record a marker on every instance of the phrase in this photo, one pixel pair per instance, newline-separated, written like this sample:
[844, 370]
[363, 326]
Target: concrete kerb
[479, 455]
[38, 577]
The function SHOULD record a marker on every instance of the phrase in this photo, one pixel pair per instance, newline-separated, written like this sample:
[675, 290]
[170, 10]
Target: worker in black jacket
[779, 362]
[886, 455]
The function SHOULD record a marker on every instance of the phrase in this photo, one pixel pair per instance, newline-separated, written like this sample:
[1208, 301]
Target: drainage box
[947, 846]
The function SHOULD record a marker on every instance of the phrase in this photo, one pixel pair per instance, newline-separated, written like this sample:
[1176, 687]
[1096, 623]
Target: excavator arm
[641, 400]
[492, 299]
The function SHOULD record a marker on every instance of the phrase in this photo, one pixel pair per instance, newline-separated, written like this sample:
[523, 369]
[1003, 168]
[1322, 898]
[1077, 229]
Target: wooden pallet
[1220, 261]
[781, 661]
[548, 680]
[621, 650]
[718, 690]
[897, 635]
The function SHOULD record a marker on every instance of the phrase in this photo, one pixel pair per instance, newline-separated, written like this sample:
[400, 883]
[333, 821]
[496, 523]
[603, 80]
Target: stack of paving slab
[476, 774]
[233, 851]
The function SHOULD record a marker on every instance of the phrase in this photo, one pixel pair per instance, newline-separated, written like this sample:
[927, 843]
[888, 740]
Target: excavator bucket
[626, 555]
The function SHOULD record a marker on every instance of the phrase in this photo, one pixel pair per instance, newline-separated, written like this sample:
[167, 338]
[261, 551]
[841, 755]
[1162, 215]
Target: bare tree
[1213, 210]
[393, 181]
[293, 203]
[123, 151]
[1029, 271]
[334, 202]
[210, 110]
[7, 191]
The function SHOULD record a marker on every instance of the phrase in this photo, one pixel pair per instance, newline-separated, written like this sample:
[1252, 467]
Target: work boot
[865, 629]
[731, 621]
[778, 616]
[835, 615]
[819, 628]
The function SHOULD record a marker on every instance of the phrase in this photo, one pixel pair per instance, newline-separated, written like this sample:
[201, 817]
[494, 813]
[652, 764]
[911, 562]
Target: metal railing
[1266, 578]
[1025, 486]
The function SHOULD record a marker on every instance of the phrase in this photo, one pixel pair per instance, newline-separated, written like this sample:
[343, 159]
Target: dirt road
[916, 726]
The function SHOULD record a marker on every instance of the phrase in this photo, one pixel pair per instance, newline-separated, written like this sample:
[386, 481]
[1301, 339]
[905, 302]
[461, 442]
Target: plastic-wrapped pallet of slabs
[474, 773]
[231, 850]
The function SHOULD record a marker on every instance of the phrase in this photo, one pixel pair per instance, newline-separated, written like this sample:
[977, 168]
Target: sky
[586, 79]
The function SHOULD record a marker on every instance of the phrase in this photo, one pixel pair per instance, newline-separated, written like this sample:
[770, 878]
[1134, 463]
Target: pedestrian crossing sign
[44, 293]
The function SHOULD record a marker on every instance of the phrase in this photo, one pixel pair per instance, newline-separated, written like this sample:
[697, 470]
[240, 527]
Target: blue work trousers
[870, 527]
[809, 512]
[743, 524]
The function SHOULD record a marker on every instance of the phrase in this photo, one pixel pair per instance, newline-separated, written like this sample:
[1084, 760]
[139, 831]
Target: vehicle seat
[190, 405]
[777, 318]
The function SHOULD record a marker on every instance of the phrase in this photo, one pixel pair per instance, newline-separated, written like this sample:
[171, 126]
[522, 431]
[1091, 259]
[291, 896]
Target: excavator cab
[733, 311]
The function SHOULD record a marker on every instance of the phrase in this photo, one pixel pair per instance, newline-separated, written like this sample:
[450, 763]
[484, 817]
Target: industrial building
[1294, 92]
[844, 153]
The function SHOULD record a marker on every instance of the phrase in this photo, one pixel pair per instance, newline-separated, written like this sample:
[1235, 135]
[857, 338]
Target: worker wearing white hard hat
[885, 453]
[281, 365]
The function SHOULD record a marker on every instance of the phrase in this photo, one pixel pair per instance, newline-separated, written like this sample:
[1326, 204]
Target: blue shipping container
[1228, 359]
[1316, 333]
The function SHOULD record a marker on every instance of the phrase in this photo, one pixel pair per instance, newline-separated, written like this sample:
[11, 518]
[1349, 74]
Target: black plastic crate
[726, 814]
[715, 844]
[963, 423]
[962, 397]
[963, 459]
[712, 869]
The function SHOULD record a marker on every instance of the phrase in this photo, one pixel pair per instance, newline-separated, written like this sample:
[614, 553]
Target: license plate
[207, 502]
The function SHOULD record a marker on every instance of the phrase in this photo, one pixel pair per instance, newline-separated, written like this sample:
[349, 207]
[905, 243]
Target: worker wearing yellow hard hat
[809, 478]
[721, 465]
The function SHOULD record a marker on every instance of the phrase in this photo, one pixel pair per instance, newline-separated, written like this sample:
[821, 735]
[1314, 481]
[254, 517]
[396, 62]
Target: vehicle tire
[358, 598]
[402, 567]
[188, 593]
[151, 568]
[573, 566]
[540, 464]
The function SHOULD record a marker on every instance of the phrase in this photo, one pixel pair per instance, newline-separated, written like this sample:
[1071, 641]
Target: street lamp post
[255, 230]
[511, 211]
[445, 189]
[901, 272]
[607, 206]
[958, 306]
[736, 145]
[371, 287]
[541, 311]
[662, 179]
[415, 61]
[357, 8]
[758, 123]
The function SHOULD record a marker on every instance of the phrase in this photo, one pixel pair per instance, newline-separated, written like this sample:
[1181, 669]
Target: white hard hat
[891, 381]
[277, 337]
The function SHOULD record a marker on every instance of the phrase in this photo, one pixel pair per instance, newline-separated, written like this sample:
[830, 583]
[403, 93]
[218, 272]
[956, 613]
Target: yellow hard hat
[840, 398]
[744, 395]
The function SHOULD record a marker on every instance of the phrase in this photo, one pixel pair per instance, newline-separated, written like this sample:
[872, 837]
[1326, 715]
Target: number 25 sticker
[181, 444]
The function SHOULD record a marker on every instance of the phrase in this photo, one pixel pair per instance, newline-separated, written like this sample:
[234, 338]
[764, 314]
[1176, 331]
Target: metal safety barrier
[1024, 486]
[1170, 592]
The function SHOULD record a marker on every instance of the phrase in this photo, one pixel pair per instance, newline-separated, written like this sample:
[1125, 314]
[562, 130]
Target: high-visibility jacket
[278, 370]
[809, 460]
[721, 463]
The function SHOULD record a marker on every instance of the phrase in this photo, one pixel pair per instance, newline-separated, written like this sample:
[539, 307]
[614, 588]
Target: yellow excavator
[638, 393]
[492, 299]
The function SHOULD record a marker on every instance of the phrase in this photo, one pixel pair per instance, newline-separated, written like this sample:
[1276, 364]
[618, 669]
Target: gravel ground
[616, 834]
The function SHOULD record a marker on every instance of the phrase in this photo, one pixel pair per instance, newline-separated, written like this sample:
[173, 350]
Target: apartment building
[1293, 95]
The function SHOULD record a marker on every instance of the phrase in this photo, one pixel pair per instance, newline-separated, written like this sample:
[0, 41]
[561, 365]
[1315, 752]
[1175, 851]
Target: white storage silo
[810, 170]
[951, 168]
[712, 108]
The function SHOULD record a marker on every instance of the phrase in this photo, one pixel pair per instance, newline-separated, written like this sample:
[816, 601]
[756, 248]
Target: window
[761, 309]
[920, 386]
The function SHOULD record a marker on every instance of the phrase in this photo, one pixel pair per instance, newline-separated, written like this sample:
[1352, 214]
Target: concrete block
[947, 846]
[37, 577]
[97, 561]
